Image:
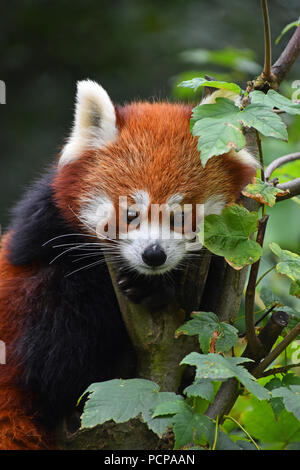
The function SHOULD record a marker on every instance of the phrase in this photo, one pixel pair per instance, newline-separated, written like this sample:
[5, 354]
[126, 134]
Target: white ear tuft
[94, 122]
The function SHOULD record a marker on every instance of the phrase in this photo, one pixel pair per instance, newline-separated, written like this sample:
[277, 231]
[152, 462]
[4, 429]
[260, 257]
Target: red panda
[59, 317]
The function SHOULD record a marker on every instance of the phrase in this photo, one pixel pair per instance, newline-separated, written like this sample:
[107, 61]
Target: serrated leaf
[208, 328]
[228, 235]
[216, 367]
[169, 408]
[196, 83]
[265, 121]
[191, 427]
[291, 398]
[275, 100]
[121, 400]
[200, 388]
[289, 266]
[263, 192]
[219, 126]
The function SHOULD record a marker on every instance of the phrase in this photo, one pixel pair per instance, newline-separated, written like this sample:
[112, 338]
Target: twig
[268, 50]
[242, 335]
[243, 429]
[265, 314]
[257, 372]
[279, 370]
[264, 274]
[287, 58]
[294, 189]
[280, 162]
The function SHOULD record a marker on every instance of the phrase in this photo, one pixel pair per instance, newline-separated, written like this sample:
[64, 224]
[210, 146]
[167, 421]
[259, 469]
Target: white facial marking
[139, 240]
[96, 211]
[94, 122]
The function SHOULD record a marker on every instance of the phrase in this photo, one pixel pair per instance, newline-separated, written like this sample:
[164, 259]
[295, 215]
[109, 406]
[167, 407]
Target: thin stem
[216, 434]
[265, 314]
[243, 429]
[257, 372]
[279, 370]
[268, 48]
[264, 274]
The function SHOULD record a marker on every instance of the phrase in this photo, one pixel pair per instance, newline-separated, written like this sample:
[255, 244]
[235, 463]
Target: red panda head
[145, 154]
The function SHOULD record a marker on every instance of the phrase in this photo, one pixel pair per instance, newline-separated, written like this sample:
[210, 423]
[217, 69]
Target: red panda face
[133, 176]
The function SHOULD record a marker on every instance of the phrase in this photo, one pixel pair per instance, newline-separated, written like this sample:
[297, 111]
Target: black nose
[154, 255]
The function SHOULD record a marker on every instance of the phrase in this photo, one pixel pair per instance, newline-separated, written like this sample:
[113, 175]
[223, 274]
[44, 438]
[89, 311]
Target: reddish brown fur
[156, 152]
[17, 429]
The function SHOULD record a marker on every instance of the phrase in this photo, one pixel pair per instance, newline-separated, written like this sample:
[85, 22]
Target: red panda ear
[94, 122]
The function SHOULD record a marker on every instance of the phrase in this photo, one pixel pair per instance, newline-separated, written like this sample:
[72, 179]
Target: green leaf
[276, 403]
[198, 82]
[200, 388]
[265, 121]
[291, 398]
[289, 26]
[261, 423]
[169, 408]
[191, 427]
[206, 325]
[274, 100]
[121, 400]
[219, 126]
[288, 266]
[216, 367]
[262, 192]
[228, 235]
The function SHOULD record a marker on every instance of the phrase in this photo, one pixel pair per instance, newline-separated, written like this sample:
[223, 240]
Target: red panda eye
[131, 215]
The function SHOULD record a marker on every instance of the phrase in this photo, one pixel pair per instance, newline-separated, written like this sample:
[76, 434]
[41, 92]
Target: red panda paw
[152, 291]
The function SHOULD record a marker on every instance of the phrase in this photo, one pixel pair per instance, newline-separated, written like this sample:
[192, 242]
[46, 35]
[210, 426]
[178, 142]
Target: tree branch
[294, 189]
[288, 57]
[280, 162]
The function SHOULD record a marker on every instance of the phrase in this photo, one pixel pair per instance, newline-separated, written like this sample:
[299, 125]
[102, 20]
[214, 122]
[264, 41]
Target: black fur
[73, 334]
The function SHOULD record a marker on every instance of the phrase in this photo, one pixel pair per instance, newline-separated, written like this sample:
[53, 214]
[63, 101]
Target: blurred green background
[137, 49]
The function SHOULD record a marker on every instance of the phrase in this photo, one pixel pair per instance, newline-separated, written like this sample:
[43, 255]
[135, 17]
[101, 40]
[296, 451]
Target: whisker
[85, 267]
[69, 235]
